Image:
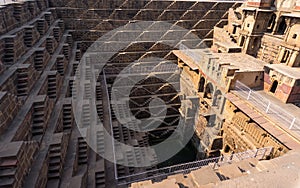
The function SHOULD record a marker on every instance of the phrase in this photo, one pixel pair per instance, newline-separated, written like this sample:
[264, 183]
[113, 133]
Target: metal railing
[4, 2]
[185, 168]
[111, 125]
[264, 105]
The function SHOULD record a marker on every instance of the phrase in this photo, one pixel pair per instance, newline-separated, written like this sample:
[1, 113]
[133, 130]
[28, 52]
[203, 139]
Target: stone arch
[282, 26]
[209, 90]
[217, 98]
[271, 23]
[227, 148]
[255, 43]
[201, 84]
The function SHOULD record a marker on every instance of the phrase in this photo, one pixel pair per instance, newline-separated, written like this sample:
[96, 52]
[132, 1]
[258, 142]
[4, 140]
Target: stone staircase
[67, 117]
[100, 142]
[15, 161]
[40, 56]
[60, 64]
[100, 179]
[41, 26]
[224, 41]
[56, 157]
[54, 162]
[52, 90]
[268, 50]
[82, 151]
[38, 119]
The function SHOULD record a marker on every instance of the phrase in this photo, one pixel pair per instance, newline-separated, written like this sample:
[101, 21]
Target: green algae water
[187, 154]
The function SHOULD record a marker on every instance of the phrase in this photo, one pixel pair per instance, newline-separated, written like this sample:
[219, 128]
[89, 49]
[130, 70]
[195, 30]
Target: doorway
[274, 86]
[242, 41]
[282, 27]
[201, 84]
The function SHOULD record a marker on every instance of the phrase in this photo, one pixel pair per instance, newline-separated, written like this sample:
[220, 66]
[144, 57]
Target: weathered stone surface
[41, 45]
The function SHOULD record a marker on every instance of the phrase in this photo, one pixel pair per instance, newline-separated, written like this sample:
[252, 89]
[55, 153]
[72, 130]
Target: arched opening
[273, 3]
[201, 84]
[294, 36]
[282, 27]
[271, 23]
[217, 98]
[238, 15]
[274, 86]
[226, 149]
[285, 56]
[255, 42]
[209, 90]
[234, 29]
[217, 144]
[242, 41]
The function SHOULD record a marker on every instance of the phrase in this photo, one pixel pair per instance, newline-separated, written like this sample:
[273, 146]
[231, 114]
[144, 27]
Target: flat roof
[186, 59]
[228, 44]
[293, 15]
[241, 61]
[292, 72]
[10, 149]
[256, 8]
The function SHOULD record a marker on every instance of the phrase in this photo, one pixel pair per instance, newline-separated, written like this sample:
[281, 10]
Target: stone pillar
[293, 58]
[280, 54]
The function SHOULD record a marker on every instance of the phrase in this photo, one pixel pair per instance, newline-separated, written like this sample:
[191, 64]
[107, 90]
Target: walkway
[283, 135]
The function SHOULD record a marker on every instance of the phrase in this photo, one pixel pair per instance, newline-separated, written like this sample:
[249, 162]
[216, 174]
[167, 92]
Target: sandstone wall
[269, 48]
[100, 17]
[41, 44]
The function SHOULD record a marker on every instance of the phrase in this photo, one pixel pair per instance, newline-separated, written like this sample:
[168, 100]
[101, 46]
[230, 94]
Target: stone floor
[280, 172]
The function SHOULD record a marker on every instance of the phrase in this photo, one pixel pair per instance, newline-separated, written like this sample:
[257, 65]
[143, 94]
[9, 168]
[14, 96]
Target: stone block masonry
[41, 44]
[9, 107]
[16, 160]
